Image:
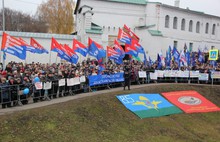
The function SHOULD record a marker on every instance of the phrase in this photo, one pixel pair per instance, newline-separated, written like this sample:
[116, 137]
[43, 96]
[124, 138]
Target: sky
[207, 6]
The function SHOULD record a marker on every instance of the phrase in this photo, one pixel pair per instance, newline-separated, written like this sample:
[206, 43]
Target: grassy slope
[102, 118]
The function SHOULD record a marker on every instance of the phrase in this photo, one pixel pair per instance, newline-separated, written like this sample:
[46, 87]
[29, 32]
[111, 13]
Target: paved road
[68, 98]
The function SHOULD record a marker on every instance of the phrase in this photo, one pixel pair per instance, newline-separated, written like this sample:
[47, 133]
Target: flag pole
[3, 29]
[50, 58]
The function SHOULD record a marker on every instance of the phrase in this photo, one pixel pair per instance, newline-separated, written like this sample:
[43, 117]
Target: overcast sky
[207, 6]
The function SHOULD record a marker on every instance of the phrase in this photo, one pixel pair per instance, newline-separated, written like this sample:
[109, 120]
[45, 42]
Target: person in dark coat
[127, 75]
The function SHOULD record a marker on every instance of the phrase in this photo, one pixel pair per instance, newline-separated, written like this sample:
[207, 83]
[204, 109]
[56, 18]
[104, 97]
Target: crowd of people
[21, 74]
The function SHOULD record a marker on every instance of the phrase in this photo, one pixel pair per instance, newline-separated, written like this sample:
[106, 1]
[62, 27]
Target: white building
[158, 25]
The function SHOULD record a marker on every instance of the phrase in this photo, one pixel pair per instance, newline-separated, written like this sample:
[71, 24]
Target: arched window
[198, 27]
[190, 26]
[213, 29]
[207, 28]
[175, 23]
[167, 21]
[183, 25]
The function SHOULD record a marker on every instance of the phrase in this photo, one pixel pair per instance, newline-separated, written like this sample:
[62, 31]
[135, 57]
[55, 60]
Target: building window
[167, 21]
[190, 26]
[207, 28]
[175, 43]
[190, 47]
[183, 24]
[198, 27]
[213, 29]
[175, 23]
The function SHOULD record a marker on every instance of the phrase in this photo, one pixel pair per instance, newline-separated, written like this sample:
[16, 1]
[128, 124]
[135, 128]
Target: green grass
[103, 118]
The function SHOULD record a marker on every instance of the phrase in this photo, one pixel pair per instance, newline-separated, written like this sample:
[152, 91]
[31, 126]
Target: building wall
[113, 15]
[200, 39]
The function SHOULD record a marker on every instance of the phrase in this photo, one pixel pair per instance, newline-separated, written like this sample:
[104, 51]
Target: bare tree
[21, 22]
[58, 14]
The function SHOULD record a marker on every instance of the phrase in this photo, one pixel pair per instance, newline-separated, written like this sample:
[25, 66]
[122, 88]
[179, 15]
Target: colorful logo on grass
[188, 100]
[144, 101]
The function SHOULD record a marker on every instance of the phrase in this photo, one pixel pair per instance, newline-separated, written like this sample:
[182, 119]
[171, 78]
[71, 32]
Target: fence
[12, 95]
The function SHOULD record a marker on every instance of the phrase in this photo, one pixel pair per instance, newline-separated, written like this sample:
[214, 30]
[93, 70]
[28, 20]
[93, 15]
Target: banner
[47, 85]
[215, 75]
[190, 101]
[148, 105]
[159, 73]
[153, 76]
[183, 74]
[76, 81]
[213, 54]
[170, 73]
[105, 79]
[38, 85]
[203, 76]
[70, 81]
[82, 79]
[142, 74]
[62, 82]
[194, 74]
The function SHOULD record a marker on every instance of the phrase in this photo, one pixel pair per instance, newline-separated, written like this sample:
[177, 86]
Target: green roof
[95, 27]
[91, 31]
[155, 33]
[146, 26]
[131, 1]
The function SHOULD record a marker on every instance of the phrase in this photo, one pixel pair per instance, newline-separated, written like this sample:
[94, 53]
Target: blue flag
[96, 50]
[159, 62]
[193, 61]
[4, 56]
[150, 62]
[176, 55]
[201, 58]
[168, 58]
[188, 59]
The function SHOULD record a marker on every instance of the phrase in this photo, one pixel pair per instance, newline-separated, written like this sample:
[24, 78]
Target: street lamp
[3, 16]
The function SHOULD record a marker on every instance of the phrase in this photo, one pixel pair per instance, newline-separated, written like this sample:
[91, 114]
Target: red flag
[111, 51]
[80, 48]
[39, 48]
[96, 44]
[23, 41]
[10, 41]
[55, 45]
[190, 101]
[34, 43]
[13, 46]
[131, 50]
[77, 44]
[68, 50]
[119, 49]
[131, 33]
[124, 37]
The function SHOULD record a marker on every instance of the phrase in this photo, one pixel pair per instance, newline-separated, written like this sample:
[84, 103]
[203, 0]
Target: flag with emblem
[148, 105]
